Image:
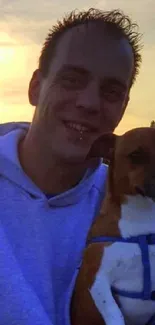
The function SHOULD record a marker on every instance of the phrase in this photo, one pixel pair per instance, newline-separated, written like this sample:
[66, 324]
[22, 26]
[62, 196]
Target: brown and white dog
[127, 210]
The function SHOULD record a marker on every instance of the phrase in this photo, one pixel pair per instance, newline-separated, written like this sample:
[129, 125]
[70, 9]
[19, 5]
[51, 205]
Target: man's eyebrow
[78, 69]
[114, 82]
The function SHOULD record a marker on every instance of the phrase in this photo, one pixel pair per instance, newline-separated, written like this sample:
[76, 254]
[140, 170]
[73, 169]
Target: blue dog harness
[143, 241]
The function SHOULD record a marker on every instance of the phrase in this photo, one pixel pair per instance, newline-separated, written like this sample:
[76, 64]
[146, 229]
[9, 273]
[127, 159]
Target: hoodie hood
[11, 169]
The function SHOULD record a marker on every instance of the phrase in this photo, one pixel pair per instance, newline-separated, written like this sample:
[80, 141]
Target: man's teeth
[78, 127]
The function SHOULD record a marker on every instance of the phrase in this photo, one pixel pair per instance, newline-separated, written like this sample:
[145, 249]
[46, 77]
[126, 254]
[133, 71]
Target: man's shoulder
[101, 177]
[10, 126]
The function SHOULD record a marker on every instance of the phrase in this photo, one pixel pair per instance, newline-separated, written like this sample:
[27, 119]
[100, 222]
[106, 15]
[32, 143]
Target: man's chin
[76, 157]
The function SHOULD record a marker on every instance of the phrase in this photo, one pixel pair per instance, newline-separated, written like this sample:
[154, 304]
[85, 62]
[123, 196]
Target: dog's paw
[104, 301]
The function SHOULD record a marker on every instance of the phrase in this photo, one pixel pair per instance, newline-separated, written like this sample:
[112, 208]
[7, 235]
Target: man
[50, 190]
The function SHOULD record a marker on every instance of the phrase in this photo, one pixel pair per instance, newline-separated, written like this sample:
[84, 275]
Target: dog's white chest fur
[137, 216]
[122, 267]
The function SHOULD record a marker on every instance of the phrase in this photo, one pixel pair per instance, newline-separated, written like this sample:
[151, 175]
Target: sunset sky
[23, 27]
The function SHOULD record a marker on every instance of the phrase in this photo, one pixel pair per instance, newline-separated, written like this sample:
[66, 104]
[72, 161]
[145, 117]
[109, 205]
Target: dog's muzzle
[149, 189]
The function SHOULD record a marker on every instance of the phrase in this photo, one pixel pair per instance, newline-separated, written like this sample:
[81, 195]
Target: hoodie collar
[11, 169]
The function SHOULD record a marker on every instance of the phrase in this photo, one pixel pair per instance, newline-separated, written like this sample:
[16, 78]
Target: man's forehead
[92, 47]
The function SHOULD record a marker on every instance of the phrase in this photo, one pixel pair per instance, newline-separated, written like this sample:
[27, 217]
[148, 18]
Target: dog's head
[131, 161]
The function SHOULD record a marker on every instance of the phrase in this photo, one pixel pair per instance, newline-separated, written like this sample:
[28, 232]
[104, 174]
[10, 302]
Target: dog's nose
[140, 190]
[149, 188]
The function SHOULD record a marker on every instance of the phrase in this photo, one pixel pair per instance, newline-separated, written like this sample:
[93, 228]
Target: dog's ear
[103, 146]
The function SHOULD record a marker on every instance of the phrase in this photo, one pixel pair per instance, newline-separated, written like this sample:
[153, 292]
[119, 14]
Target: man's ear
[34, 88]
[103, 146]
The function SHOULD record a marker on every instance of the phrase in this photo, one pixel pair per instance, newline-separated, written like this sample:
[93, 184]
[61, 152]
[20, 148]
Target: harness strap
[143, 241]
[146, 268]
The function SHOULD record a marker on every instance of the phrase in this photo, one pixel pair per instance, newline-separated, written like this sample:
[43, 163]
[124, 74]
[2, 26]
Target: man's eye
[71, 81]
[113, 95]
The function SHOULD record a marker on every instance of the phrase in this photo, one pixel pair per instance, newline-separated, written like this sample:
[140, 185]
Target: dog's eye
[138, 157]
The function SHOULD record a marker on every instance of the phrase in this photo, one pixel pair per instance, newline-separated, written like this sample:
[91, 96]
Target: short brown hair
[114, 18]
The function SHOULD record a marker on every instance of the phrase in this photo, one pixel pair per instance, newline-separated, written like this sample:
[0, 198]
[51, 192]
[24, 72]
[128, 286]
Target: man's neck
[51, 176]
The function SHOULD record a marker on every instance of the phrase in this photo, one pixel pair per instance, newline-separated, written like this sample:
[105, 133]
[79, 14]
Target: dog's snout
[140, 190]
[149, 188]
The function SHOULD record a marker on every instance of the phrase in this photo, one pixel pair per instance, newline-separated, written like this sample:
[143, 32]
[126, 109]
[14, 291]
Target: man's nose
[88, 98]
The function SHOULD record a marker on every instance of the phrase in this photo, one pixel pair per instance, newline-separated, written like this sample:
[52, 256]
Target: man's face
[85, 92]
